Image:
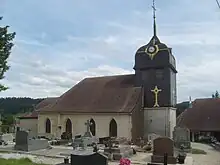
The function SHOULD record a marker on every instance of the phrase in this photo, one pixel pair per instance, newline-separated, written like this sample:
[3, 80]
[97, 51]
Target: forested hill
[15, 105]
[181, 107]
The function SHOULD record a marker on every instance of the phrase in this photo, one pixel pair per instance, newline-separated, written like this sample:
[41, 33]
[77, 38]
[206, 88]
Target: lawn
[23, 161]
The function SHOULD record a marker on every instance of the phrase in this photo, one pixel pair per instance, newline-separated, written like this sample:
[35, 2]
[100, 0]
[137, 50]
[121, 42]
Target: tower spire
[154, 18]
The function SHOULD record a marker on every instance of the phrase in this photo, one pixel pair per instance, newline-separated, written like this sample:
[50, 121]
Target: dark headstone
[181, 137]
[24, 143]
[21, 141]
[161, 146]
[91, 159]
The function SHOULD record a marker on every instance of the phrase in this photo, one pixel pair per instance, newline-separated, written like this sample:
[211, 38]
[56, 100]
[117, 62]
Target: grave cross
[88, 124]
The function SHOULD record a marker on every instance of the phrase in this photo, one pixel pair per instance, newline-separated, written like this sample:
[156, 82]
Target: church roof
[46, 102]
[34, 114]
[203, 116]
[30, 115]
[109, 94]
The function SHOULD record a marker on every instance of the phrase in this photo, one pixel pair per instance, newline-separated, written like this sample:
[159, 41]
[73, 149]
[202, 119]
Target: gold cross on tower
[156, 91]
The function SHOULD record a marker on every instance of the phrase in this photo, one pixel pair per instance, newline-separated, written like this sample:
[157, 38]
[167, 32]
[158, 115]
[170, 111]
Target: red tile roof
[46, 102]
[99, 95]
[31, 115]
[34, 114]
[203, 116]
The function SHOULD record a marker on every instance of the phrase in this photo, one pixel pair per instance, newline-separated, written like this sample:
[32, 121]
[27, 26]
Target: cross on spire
[154, 17]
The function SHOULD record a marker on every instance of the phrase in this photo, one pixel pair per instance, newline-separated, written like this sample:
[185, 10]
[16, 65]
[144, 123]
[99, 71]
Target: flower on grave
[125, 161]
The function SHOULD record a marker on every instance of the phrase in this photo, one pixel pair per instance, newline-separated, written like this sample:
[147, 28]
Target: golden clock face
[151, 49]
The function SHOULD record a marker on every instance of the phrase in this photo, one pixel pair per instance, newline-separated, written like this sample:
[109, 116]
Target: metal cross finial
[154, 9]
[154, 17]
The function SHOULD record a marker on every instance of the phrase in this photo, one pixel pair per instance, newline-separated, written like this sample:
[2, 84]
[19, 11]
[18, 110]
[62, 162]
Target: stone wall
[102, 121]
[159, 120]
[28, 124]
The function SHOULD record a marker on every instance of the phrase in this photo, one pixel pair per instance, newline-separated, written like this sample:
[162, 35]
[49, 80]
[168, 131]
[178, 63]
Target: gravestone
[86, 140]
[181, 137]
[113, 150]
[8, 137]
[152, 136]
[88, 158]
[24, 143]
[161, 146]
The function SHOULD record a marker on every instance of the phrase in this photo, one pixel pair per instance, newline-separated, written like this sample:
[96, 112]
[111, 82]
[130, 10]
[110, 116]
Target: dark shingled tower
[155, 71]
[155, 66]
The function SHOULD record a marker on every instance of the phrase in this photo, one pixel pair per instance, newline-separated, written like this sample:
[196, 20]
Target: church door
[113, 128]
[48, 126]
[92, 127]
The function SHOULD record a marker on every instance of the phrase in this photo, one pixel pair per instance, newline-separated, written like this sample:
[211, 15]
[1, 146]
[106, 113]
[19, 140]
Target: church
[132, 106]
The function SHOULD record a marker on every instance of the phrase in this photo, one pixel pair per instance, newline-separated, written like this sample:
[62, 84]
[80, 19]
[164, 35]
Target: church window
[113, 128]
[92, 127]
[159, 74]
[68, 129]
[68, 126]
[48, 126]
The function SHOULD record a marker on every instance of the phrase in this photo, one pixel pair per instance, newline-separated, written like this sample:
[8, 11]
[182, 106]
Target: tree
[8, 120]
[216, 94]
[6, 45]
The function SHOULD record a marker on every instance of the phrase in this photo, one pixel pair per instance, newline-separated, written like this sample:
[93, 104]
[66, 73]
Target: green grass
[23, 161]
[198, 151]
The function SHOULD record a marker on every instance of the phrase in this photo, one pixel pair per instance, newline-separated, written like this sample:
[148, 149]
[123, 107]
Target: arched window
[48, 126]
[68, 126]
[92, 127]
[113, 128]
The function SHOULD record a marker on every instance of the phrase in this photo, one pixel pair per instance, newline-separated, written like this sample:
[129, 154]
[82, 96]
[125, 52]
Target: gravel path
[212, 157]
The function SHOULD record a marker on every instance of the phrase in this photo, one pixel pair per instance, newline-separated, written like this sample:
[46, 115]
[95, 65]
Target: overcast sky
[60, 42]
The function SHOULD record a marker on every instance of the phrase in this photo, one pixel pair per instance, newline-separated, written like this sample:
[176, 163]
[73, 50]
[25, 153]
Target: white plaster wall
[102, 121]
[158, 121]
[54, 124]
[29, 124]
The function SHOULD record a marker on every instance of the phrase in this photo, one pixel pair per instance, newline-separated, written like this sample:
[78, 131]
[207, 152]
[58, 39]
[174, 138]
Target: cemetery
[86, 148]
[121, 119]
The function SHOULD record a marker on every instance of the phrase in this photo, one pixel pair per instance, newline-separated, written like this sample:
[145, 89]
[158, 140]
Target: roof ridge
[109, 76]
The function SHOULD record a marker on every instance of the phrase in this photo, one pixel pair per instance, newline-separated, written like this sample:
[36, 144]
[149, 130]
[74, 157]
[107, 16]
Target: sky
[58, 43]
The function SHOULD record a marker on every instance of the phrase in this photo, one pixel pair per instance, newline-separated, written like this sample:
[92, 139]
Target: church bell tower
[155, 71]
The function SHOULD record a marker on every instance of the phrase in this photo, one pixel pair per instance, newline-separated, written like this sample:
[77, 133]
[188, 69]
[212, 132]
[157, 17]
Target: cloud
[56, 47]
